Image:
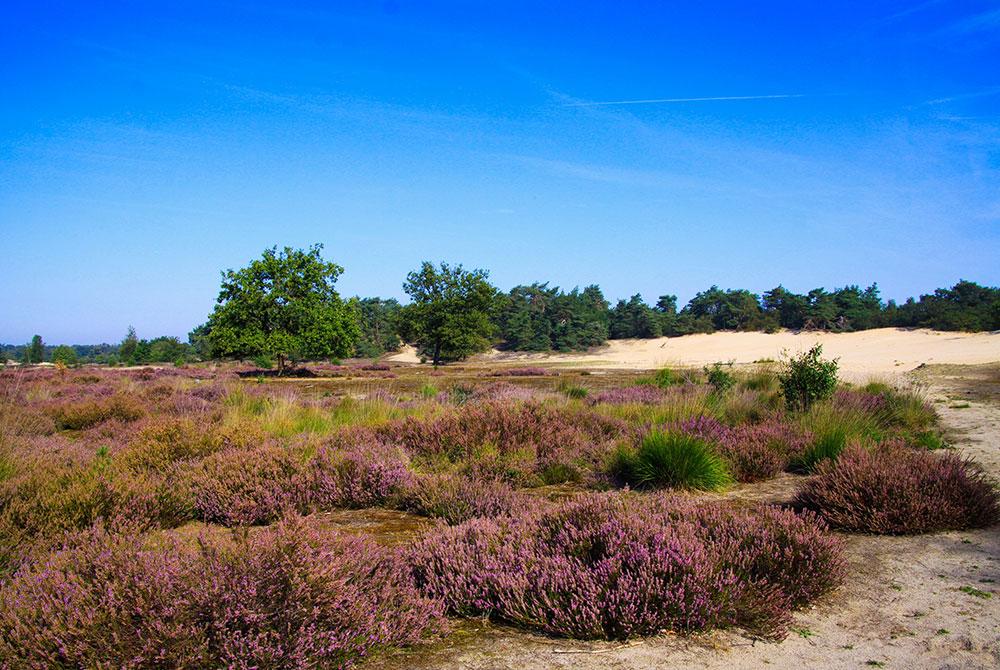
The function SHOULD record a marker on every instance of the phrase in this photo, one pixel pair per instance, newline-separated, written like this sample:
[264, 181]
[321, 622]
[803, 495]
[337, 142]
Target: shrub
[293, 597]
[894, 490]
[614, 567]
[245, 486]
[456, 499]
[103, 601]
[362, 476]
[288, 597]
[672, 459]
[720, 377]
[807, 378]
[87, 413]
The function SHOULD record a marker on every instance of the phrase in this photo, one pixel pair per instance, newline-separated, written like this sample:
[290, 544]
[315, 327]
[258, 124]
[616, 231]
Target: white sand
[869, 352]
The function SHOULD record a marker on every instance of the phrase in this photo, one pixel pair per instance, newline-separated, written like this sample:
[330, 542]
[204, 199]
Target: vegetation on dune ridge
[283, 306]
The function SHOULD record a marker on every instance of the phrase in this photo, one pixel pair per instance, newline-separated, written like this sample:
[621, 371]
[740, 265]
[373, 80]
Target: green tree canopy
[128, 350]
[378, 320]
[284, 306]
[35, 352]
[65, 354]
[451, 313]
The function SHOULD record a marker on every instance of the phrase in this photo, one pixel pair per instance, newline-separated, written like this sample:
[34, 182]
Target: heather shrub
[363, 476]
[456, 498]
[162, 443]
[671, 460]
[294, 597]
[77, 415]
[245, 486]
[891, 489]
[287, 597]
[530, 433]
[46, 497]
[807, 378]
[103, 601]
[614, 567]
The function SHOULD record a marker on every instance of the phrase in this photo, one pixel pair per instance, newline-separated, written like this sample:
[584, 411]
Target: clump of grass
[428, 391]
[671, 460]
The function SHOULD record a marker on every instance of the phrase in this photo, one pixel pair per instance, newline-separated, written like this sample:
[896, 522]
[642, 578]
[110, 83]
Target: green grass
[672, 460]
[973, 591]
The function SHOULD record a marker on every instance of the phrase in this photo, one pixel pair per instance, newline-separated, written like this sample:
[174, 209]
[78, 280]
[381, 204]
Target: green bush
[263, 362]
[807, 378]
[720, 376]
[674, 460]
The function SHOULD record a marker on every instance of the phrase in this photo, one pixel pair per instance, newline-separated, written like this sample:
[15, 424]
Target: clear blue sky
[146, 146]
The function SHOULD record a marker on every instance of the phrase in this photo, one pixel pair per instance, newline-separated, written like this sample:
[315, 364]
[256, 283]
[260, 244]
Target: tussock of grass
[672, 460]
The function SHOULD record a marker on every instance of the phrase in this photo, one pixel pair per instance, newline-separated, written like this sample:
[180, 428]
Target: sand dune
[872, 352]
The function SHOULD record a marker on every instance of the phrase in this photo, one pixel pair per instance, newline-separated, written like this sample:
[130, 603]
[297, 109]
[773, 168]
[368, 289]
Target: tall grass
[671, 460]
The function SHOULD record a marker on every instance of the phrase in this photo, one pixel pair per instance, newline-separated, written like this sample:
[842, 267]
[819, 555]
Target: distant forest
[539, 317]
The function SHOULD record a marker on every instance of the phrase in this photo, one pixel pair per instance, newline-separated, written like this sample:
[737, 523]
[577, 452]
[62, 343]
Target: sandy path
[869, 352]
[902, 606]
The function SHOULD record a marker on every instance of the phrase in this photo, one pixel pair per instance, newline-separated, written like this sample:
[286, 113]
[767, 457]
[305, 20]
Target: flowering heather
[375, 367]
[366, 475]
[547, 436]
[455, 498]
[294, 597]
[287, 597]
[503, 392]
[75, 415]
[645, 395]
[894, 490]
[756, 451]
[103, 601]
[245, 486]
[706, 427]
[614, 567]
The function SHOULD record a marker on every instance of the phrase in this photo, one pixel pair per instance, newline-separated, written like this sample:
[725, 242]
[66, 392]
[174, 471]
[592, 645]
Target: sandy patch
[871, 352]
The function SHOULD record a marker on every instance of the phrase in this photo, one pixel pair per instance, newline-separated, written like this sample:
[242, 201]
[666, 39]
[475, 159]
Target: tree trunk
[437, 353]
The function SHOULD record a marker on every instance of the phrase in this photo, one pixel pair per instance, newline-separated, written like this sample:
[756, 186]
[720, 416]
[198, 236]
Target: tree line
[283, 307]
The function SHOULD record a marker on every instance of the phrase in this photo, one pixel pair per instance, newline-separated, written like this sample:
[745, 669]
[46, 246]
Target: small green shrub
[674, 460]
[720, 376]
[807, 378]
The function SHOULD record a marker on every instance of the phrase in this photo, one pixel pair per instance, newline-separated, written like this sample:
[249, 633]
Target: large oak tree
[283, 306]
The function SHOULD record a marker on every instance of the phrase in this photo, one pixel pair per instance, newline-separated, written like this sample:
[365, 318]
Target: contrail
[659, 100]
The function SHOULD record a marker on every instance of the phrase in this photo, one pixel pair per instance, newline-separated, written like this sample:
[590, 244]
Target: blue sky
[144, 147]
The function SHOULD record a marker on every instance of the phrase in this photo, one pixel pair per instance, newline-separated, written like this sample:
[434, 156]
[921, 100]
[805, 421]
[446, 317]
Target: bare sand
[871, 352]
